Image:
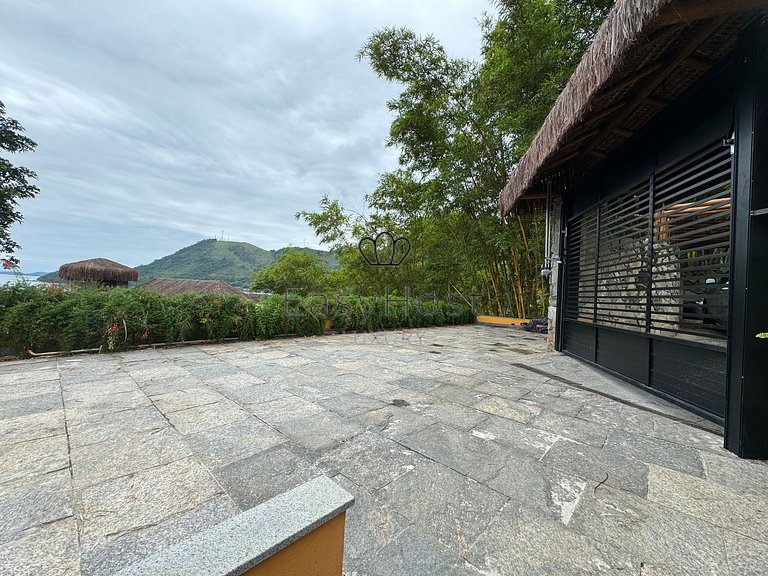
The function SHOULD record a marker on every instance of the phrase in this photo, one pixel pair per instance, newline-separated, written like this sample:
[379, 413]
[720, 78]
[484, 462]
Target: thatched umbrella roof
[98, 270]
[645, 55]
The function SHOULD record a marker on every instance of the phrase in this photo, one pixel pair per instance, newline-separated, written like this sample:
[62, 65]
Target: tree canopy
[459, 127]
[294, 269]
[14, 180]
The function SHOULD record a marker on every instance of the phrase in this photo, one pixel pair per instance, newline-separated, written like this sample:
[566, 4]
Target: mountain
[233, 262]
[30, 274]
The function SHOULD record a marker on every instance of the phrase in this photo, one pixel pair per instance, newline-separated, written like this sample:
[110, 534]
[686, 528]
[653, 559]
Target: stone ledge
[242, 542]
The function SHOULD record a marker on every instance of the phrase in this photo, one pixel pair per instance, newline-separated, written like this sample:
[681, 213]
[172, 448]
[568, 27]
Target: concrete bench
[299, 532]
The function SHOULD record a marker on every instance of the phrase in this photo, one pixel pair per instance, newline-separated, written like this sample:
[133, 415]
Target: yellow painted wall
[319, 553]
[500, 320]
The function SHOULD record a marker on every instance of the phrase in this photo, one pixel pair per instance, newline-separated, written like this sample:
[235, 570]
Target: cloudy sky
[163, 122]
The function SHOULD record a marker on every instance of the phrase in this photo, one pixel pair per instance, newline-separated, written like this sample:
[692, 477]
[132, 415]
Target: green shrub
[51, 319]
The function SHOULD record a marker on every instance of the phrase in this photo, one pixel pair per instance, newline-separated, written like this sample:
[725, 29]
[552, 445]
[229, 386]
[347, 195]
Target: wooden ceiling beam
[656, 102]
[622, 132]
[669, 66]
[687, 11]
[630, 80]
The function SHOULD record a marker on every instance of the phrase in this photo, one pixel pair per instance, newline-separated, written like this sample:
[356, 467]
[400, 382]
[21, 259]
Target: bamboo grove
[459, 127]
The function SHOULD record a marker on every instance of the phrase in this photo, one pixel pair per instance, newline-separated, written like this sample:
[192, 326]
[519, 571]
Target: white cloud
[162, 123]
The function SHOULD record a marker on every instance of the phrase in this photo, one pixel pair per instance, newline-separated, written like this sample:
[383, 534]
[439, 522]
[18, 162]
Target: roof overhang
[645, 55]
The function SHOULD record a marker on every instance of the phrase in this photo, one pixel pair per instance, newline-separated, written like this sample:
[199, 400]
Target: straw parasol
[99, 270]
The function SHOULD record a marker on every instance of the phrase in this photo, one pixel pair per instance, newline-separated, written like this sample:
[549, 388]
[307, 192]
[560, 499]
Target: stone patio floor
[470, 450]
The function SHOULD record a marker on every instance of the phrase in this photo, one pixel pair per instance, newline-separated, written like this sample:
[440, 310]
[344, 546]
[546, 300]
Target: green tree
[14, 180]
[459, 128]
[529, 52]
[454, 160]
[293, 269]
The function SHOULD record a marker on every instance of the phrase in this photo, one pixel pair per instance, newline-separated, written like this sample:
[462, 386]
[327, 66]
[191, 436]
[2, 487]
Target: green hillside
[233, 262]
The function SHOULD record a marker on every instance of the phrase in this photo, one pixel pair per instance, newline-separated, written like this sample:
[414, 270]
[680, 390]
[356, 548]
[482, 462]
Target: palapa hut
[653, 166]
[99, 270]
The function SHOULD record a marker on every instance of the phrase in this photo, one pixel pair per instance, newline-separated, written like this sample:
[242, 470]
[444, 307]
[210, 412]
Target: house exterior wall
[555, 263]
[746, 431]
[634, 336]
[735, 95]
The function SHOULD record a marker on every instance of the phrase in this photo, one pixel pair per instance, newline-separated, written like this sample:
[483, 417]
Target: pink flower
[114, 327]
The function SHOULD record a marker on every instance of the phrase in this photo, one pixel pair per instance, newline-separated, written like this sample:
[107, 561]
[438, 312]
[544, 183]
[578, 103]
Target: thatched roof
[645, 55]
[98, 270]
[171, 286]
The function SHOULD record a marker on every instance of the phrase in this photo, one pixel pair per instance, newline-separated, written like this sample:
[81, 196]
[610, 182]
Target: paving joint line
[612, 397]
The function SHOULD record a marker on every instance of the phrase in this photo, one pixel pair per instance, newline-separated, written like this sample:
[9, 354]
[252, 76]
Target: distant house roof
[645, 55]
[171, 286]
[98, 270]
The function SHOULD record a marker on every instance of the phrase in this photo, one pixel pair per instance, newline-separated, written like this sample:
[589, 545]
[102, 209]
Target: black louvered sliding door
[647, 278]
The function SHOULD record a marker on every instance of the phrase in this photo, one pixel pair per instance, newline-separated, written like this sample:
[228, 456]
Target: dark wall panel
[695, 375]
[623, 352]
[580, 340]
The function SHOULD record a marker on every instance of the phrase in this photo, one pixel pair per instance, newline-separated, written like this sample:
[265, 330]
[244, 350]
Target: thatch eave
[645, 54]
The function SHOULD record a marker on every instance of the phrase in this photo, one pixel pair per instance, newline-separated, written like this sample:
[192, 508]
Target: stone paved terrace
[470, 451]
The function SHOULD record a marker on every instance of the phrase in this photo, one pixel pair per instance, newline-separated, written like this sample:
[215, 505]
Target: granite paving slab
[276, 412]
[449, 506]
[32, 502]
[572, 428]
[746, 557]
[371, 460]
[126, 454]
[633, 534]
[521, 412]
[185, 398]
[592, 463]
[512, 433]
[351, 404]
[122, 505]
[257, 478]
[413, 553]
[32, 427]
[101, 427]
[467, 453]
[321, 430]
[734, 472]
[467, 448]
[50, 549]
[121, 550]
[371, 525]
[655, 451]
[458, 394]
[217, 447]
[521, 540]
[30, 405]
[25, 388]
[32, 458]
[200, 418]
[256, 394]
[394, 421]
[741, 511]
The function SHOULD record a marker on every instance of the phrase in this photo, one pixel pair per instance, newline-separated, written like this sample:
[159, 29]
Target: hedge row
[50, 319]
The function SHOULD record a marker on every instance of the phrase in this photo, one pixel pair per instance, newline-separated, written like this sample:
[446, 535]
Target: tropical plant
[15, 182]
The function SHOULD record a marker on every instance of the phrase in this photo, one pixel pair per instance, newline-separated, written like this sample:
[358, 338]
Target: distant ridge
[232, 262]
